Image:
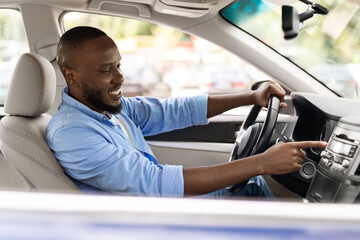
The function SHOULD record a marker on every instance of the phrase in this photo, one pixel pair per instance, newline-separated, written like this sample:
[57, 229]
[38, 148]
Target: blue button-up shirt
[97, 154]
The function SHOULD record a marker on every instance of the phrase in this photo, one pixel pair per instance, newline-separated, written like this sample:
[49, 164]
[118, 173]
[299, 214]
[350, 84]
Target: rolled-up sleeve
[98, 163]
[173, 181]
[155, 116]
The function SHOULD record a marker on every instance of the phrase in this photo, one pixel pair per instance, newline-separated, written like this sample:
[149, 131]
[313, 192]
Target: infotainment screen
[339, 147]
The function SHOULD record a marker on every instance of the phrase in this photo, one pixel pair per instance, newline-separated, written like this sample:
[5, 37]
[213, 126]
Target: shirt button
[115, 127]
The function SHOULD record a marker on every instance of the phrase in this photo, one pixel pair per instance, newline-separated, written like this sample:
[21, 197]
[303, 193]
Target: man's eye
[106, 71]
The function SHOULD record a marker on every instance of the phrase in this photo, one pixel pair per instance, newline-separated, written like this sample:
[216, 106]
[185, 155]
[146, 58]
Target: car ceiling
[187, 12]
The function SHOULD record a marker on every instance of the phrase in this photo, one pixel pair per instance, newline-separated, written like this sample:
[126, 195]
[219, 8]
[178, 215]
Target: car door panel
[207, 144]
[191, 154]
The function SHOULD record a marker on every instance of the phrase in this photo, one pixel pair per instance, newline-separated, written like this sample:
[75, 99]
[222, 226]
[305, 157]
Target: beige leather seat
[22, 131]
[11, 179]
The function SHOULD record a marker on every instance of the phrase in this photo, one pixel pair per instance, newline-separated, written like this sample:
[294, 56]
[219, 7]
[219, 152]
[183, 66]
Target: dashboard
[331, 174]
[318, 115]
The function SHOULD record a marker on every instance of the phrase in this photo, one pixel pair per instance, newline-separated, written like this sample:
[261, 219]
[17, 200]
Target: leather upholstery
[32, 87]
[22, 131]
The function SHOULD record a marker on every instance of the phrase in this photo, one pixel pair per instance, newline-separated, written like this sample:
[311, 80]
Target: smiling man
[98, 136]
[92, 72]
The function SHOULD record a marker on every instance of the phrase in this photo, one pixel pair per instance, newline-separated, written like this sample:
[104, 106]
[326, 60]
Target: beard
[96, 98]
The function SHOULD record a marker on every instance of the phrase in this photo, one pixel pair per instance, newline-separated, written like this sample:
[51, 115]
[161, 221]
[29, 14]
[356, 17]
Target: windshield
[327, 47]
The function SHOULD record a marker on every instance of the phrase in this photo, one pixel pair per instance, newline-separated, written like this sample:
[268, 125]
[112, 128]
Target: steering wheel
[254, 138]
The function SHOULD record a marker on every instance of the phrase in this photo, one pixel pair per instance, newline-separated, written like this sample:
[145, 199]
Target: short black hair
[73, 39]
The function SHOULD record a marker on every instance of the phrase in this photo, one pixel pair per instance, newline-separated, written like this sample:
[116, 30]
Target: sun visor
[185, 8]
[142, 8]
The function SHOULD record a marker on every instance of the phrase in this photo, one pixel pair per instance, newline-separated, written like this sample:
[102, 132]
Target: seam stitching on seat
[37, 162]
[25, 135]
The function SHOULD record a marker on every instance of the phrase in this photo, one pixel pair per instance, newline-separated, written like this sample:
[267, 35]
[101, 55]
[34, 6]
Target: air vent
[357, 172]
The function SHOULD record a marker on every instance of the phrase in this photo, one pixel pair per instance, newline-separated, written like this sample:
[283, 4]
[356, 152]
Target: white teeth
[115, 92]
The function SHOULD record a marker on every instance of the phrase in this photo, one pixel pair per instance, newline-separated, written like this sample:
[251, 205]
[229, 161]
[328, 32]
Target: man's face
[98, 78]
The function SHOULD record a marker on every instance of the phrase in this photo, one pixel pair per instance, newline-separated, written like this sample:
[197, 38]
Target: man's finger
[298, 166]
[278, 90]
[302, 153]
[283, 104]
[310, 144]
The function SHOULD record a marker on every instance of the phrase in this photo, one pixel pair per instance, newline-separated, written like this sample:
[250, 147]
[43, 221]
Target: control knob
[327, 158]
[345, 163]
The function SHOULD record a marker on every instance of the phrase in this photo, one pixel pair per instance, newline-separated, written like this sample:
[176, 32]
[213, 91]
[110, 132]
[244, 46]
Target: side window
[161, 62]
[12, 44]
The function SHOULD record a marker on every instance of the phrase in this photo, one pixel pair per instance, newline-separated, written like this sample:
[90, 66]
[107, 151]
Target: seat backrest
[11, 179]
[22, 130]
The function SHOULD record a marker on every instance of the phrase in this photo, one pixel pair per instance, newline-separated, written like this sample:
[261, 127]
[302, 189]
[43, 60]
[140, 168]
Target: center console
[337, 178]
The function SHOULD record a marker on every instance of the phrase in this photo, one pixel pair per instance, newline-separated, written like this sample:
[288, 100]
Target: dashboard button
[325, 162]
[309, 169]
[345, 163]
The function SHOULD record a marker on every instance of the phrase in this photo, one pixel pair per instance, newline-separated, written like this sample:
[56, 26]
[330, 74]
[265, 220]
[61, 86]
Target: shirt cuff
[172, 181]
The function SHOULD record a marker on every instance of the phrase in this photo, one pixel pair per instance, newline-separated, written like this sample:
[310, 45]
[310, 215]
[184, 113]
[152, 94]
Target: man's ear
[70, 77]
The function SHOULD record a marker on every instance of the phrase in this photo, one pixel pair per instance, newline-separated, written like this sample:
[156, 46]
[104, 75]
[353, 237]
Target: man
[98, 135]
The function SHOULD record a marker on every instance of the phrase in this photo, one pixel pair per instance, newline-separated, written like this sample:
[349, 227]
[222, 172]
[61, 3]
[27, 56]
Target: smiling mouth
[116, 92]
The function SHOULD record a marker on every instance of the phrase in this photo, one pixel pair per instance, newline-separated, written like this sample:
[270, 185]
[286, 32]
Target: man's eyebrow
[108, 64]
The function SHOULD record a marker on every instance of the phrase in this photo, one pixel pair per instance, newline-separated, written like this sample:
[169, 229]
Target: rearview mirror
[290, 22]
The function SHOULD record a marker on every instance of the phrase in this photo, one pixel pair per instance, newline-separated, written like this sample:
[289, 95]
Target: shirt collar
[82, 107]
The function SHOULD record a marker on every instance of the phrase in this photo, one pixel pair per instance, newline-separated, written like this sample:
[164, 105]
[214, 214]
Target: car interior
[314, 112]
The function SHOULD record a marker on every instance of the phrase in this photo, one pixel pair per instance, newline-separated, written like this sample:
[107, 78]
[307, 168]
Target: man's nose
[118, 76]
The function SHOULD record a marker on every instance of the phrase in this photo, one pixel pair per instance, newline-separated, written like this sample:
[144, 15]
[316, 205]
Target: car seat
[22, 131]
[11, 179]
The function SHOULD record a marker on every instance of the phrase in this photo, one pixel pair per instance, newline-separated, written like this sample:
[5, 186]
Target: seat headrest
[32, 87]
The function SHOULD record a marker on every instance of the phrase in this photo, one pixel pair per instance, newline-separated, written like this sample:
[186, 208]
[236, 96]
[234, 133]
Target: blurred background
[159, 61]
[156, 61]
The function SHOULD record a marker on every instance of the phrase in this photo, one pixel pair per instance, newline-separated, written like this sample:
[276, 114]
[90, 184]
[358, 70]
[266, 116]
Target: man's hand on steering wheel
[263, 93]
